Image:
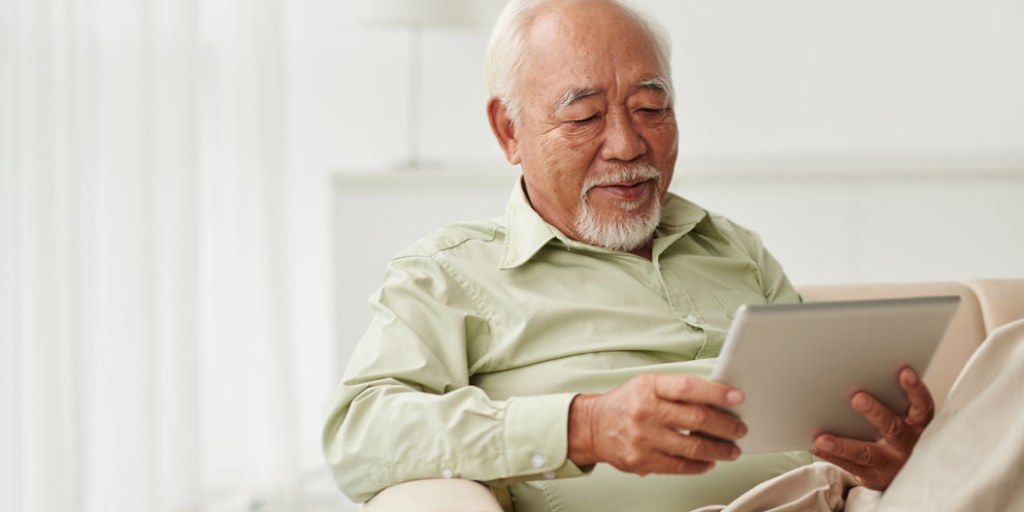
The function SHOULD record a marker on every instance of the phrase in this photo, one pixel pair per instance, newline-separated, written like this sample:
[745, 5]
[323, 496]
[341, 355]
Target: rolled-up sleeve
[406, 410]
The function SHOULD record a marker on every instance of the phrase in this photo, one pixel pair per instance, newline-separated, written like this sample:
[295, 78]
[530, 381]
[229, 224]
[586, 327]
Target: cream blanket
[971, 458]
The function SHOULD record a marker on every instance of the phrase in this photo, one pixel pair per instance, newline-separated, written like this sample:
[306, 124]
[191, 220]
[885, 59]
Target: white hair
[504, 62]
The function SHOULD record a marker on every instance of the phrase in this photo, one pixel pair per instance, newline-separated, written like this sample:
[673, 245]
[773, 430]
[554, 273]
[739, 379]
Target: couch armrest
[1002, 300]
[435, 495]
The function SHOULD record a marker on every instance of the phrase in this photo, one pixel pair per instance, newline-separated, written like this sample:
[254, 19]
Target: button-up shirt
[483, 332]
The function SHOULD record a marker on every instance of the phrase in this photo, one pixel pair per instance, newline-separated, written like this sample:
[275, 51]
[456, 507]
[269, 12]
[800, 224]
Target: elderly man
[579, 328]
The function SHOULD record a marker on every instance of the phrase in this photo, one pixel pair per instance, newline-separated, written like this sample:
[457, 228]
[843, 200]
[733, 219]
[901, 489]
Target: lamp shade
[416, 12]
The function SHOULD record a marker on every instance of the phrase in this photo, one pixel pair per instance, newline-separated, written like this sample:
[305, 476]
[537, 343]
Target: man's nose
[621, 139]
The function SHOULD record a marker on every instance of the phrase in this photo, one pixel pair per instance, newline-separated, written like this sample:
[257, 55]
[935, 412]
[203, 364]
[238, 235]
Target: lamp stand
[412, 139]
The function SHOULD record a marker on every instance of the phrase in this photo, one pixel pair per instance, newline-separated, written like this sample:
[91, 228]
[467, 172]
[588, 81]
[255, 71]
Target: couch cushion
[965, 334]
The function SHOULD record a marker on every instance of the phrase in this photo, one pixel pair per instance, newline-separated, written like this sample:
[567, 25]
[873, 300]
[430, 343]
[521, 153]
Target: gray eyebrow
[573, 95]
[658, 84]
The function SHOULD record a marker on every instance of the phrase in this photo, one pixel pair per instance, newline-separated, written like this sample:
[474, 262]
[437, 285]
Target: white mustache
[631, 173]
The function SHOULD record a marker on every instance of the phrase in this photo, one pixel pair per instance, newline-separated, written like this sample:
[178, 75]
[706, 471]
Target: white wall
[877, 226]
[819, 124]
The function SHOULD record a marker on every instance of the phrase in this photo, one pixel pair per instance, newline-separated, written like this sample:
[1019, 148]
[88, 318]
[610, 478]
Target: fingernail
[827, 445]
[741, 430]
[734, 397]
[735, 453]
[911, 377]
[862, 403]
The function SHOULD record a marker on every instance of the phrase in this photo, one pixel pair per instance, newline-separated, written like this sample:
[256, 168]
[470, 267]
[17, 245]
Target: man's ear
[504, 130]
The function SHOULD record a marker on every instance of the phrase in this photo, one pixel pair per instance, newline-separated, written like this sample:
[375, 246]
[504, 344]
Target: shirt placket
[680, 301]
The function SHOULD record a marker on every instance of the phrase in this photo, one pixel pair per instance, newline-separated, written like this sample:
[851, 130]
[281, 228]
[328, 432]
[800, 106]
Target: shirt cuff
[537, 437]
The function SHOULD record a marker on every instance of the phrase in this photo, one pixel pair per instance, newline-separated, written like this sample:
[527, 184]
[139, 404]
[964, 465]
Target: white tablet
[799, 364]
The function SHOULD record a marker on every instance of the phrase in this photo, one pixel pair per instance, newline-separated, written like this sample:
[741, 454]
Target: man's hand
[876, 463]
[656, 423]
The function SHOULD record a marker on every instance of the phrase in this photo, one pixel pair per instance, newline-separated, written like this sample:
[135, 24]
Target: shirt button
[538, 460]
[550, 475]
[447, 473]
[692, 319]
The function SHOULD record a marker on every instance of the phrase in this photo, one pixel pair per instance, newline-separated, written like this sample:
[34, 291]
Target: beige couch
[985, 305]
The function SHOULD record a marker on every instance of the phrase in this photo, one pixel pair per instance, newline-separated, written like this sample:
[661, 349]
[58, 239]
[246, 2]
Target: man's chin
[615, 210]
[620, 230]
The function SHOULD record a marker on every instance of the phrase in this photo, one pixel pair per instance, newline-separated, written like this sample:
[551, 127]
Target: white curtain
[145, 361]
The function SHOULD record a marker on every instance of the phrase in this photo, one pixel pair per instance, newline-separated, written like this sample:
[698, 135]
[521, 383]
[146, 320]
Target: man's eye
[585, 120]
[653, 114]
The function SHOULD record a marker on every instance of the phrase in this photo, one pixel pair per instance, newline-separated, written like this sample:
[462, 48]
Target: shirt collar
[679, 217]
[526, 232]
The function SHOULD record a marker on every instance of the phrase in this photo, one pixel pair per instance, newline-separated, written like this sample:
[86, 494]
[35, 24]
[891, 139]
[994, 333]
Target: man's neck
[646, 251]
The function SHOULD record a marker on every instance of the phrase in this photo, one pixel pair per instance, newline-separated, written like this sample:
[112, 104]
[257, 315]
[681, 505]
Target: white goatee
[621, 232]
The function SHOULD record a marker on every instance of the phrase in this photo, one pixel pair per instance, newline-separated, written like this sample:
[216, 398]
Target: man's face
[597, 137]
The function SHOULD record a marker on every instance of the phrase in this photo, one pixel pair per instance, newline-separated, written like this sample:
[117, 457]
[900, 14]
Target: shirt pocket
[731, 300]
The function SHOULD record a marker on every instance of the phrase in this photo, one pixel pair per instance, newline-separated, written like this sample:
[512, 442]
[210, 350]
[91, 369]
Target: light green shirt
[483, 332]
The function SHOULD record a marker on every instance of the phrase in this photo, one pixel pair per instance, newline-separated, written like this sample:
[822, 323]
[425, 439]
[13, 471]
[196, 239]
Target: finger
[854, 452]
[846, 464]
[695, 446]
[701, 418]
[922, 406]
[691, 389]
[874, 464]
[890, 425]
